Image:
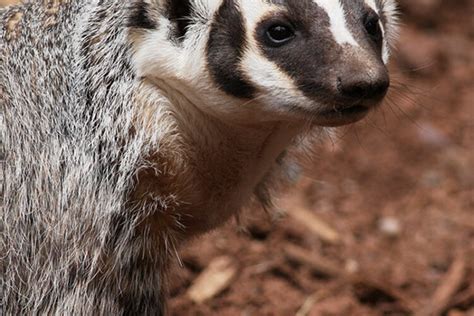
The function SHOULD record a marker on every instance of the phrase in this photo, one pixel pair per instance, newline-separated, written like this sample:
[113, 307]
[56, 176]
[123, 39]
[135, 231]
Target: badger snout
[365, 87]
[359, 87]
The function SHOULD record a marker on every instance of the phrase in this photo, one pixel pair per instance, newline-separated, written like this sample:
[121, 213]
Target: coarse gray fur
[70, 163]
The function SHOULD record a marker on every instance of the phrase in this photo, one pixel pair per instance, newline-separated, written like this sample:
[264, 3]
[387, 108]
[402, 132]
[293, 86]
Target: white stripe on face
[337, 18]
[263, 73]
[385, 53]
[271, 80]
[372, 4]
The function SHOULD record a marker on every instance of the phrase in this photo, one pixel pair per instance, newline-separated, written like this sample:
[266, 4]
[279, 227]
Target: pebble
[389, 226]
[352, 266]
[432, 136]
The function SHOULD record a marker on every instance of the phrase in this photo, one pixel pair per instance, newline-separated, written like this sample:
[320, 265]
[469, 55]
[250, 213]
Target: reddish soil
[398, 188]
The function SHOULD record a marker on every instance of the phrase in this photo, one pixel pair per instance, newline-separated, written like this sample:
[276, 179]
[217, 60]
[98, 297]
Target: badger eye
[372, 26]
[279, 34]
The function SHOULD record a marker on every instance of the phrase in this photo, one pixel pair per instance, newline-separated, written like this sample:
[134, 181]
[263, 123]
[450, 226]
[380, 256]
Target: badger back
[67, 95]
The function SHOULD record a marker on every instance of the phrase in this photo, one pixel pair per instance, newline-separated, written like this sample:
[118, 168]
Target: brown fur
[13, 25]
[206, 182]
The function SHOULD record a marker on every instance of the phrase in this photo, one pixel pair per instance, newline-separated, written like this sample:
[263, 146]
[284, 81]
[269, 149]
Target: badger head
[317, 61]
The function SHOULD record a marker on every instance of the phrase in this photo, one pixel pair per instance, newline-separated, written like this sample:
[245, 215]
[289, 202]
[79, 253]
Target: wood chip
[456, 313]
[466, 296]
[451, 283]
[316, 297]
[213, 280]
[307, 218]
[321, 265]
[306, 307]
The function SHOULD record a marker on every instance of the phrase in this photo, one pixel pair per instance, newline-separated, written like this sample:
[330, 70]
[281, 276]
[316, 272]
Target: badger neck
[213, 166]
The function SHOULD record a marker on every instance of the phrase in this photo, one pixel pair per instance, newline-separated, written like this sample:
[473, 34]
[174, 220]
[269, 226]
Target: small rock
[389, 226]
[432, 136]
[351, 266]
[431, 179]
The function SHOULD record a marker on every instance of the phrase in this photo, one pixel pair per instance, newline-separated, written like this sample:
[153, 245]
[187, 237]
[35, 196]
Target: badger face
[321, 61]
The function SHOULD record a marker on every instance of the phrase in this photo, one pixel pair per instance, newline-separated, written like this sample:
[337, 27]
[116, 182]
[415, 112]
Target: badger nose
[364, 86]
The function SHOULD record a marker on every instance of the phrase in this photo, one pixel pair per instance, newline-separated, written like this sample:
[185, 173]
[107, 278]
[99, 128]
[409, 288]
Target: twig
[440, 300]
[321, 265]
[307, 218]
[317, 296]
[324, 266]
[465, 297]
[213, 280]
[403, 300]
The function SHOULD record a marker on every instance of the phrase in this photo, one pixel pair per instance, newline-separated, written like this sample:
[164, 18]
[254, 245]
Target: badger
[130, 127]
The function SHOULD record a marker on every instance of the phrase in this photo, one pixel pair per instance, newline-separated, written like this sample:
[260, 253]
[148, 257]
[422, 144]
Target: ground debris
[306, 217]
[214, 279]
[321, 265]
[360, 280]
[451, 283]
[389, 226]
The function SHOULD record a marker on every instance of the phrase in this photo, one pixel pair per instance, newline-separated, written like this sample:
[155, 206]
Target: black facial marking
[372, 26]
[225, 48]
[140, 16]
[179, 12]
[359, 18]
[310, 55]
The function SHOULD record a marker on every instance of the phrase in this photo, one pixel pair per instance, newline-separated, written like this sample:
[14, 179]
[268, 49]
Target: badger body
[128, 127]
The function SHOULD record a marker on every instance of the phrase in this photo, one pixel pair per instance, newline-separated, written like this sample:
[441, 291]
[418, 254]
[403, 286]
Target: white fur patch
[390, 11]
[155, 54]
[273, 82]
[337, 18]
[205, 9]
[372, 4]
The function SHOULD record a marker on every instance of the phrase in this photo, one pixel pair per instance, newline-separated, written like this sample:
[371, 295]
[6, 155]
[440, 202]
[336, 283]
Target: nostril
[381, 87]
[353, 88]
[357, 88]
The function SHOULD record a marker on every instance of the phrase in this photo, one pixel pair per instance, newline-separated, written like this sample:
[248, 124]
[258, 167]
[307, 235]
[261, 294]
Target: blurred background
[382, 221]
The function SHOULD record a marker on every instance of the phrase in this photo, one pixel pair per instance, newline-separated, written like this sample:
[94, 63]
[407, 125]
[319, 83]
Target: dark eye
[372, 26]
[279, 34]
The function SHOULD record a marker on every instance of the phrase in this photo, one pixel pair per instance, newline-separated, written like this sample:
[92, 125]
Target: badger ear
[179, 13]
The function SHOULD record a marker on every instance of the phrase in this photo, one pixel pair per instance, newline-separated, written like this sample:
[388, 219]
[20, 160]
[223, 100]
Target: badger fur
[128, 127]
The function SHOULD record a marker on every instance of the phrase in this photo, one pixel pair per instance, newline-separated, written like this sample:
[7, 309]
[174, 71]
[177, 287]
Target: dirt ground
[382, 221]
